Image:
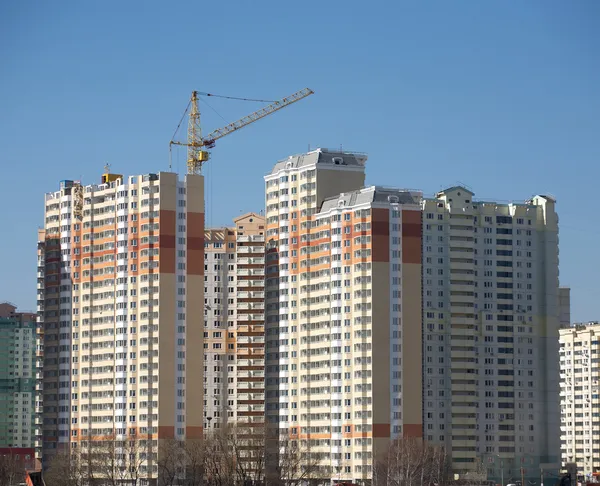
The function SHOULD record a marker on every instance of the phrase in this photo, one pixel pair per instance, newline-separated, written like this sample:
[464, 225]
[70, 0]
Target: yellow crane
[198, 145]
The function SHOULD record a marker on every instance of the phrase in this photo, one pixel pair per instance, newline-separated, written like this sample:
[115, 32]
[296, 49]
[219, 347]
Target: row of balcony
[242, 250]
[251, 295]
[250, 272]
[256, 260]
[251, 283]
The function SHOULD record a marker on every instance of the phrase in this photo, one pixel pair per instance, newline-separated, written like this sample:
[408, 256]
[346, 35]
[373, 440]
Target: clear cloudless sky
[503, 96]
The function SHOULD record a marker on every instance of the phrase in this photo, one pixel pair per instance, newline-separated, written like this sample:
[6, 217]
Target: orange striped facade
[343, 311]
[123, 319]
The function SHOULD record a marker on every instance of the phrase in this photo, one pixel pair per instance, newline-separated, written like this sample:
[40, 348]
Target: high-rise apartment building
[234, 336]
[343, 312]
[580, 398]
[491, 315]
[20, 372]
[122, 286]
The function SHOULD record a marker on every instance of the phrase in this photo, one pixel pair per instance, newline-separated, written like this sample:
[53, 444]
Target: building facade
[580, 398]
[20, 369]
[343, 312]
[121, 287]
[491, 314]
[234, 323]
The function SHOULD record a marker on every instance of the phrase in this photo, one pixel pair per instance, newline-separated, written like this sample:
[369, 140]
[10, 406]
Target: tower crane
[198, 146]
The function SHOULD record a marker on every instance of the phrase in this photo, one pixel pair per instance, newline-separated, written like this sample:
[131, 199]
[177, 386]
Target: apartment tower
[343, 311]
[234, 337]
[123, 285]
[20, 393]
[580, 398]
[491, 313]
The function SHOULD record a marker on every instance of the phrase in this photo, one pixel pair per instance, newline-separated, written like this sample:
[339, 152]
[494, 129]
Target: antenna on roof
[107, 168]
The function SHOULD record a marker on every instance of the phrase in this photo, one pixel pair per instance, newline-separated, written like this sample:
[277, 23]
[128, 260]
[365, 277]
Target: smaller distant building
[580, 397]
[20, 379]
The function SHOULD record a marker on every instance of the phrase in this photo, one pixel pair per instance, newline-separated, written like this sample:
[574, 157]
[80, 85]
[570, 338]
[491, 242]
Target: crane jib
[195, 142]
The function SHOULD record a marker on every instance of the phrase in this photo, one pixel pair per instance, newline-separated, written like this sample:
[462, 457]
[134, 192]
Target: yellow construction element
[106, 178]
[198, 146]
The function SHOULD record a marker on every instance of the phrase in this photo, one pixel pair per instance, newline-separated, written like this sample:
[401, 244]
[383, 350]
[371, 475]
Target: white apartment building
[491, 314]
[343, 310]
[580, 397]
[122, 290]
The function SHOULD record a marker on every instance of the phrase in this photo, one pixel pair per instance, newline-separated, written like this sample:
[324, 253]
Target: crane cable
[218, 114]
[181, 121]
[235, 98]
[214, 96]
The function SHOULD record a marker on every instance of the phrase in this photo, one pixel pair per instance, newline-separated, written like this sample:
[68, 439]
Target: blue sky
[503, 96]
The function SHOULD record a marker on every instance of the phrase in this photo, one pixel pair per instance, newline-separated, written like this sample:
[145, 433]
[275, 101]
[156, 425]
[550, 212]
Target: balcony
[251, 317]
[243, 250]
[250, 408]
[250, 339]
[250, 397]
[460, 239]
[462, 264]
[250, 374]
[251, 261]
[251, 295]
[259, 306]
[250, 238]
[251, 283]
[462, 308]
[243, 272]
[251, 387]
[462, 297]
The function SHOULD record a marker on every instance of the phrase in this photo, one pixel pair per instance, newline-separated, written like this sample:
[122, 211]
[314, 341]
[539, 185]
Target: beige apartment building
[234, 337]
[491, 313]
[580, 398]
[343, 312]
[121, 287]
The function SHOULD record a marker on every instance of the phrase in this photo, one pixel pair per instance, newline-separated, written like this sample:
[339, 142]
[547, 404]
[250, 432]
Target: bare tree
[171, 461]
[66, 469]
[236, 455]
[295, 462]
[185, 462]
[106, 462]
[11, 470]
[247, 443]
[195, 461]
[476, 476]
[411, 462]
[115, 462]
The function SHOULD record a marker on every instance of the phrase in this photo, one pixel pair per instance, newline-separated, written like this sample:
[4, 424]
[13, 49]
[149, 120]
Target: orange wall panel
[381, 430]
[195, 243]
[411, 237]
[412, 430]
[167, 241]
[380, 230]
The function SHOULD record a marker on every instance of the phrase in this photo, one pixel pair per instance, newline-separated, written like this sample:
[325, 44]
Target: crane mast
[195, 153]
[198, 146]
